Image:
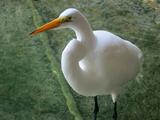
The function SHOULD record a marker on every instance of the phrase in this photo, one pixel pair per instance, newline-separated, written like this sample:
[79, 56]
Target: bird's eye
[66, 19]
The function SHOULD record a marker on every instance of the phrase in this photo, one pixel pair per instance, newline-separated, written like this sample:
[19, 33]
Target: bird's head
[65, 20]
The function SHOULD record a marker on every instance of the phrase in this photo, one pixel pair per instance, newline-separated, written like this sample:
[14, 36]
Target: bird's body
[96, 62]
[106, 66]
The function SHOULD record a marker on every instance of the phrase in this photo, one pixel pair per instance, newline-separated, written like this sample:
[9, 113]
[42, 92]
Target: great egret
[96, 62]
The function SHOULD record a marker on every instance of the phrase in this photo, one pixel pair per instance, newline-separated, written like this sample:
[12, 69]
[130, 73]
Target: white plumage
[95, 62]
[98, 62]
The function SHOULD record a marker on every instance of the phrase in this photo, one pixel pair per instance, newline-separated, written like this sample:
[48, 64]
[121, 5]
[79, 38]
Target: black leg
[115, 111]
[96, 108]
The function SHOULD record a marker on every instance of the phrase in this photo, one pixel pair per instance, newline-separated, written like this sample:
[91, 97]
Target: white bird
[95, 62]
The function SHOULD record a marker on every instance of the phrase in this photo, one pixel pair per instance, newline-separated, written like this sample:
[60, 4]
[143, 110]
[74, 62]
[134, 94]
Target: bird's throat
[84, 32]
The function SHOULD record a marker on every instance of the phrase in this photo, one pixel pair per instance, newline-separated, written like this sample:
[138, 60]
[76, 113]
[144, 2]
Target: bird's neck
[71, 69]
[70, 63]
[84, 31]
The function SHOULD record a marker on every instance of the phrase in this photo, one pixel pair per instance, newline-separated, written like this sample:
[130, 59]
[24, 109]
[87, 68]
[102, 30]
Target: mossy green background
[28, 88]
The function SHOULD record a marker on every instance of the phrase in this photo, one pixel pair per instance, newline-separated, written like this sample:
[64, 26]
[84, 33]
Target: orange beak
[54, 23]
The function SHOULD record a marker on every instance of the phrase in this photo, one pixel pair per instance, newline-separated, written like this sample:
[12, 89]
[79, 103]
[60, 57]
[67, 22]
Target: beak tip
[32, 33]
